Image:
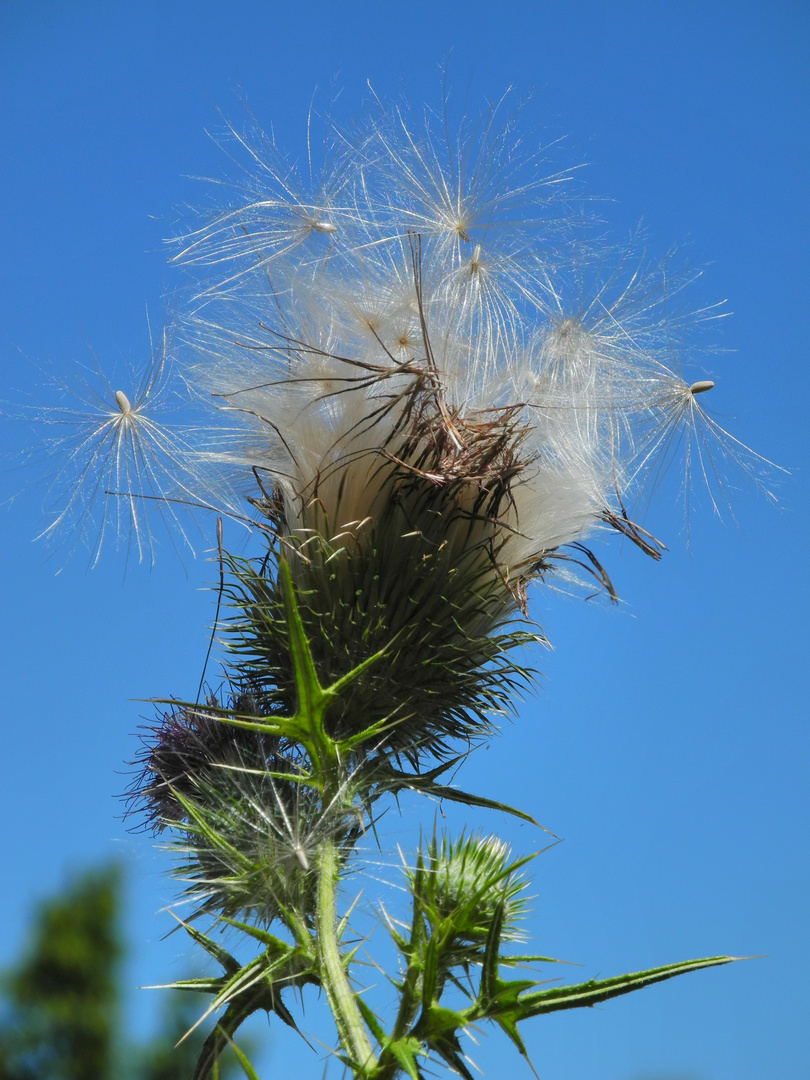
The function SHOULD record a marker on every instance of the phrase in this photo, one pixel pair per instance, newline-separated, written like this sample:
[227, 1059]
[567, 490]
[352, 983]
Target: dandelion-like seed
[283, 206]
[674, 424]
[116, 466]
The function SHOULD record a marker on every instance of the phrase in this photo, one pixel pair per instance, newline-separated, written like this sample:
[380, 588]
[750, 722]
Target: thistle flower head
[439, 626]
[434, 394]
[245, 817]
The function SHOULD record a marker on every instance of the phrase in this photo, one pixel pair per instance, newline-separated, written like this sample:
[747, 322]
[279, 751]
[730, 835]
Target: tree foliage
[61, 1016]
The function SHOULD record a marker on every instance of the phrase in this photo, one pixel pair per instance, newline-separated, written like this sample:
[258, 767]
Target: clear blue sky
[669, 743]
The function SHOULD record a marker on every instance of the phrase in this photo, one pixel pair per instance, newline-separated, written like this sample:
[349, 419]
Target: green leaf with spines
[279, 947]
[200, 986]
[437, 1027]
[405, 1051]
[234, 1015]
[246, 978]
[371, 1020]
[230, 965]
[199, 823]
[498, 999]
[307, 686]
[247, 1068]
[430, 974]
[520, 960]
[597, 990]
[424, 783]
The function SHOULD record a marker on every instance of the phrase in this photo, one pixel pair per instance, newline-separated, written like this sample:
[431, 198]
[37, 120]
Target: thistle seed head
[416, 287]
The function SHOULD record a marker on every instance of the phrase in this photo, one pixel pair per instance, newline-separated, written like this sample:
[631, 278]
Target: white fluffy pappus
[414, 284]
[117, 461]
[450, 277]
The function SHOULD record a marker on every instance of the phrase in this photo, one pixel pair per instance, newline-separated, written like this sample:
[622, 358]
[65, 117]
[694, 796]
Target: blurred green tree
[61, 1000]
[60, 1003]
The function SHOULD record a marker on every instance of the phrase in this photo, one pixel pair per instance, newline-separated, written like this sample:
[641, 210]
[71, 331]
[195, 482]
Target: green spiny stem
[392, 1063]
[300, 931]
[409, 1001]
[312, 699]
[410, 992]
[339, 994]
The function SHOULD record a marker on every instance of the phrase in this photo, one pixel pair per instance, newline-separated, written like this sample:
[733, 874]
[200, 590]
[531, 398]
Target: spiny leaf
[516, 961]
[498, 999]
[307, 685]
[371, 1020]
[438, 1027]
[233, 1016]
[247, 1068]
[229, 963]
[237, 987]
[279, 947]
[489, 969]
[200, 986]
[595, 991]
[425, 785]
[430, 975]
[210, 834]
[405, 1052]
[346, 680]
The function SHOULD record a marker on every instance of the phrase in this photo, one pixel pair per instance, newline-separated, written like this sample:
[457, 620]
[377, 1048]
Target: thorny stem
[389, 1067]
[409, 995]
[339, 994]
[313, 701]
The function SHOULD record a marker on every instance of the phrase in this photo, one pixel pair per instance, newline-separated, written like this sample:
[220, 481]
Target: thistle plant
[425, 394]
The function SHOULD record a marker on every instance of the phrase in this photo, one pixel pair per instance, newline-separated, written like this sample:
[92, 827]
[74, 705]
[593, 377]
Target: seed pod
[701, 386]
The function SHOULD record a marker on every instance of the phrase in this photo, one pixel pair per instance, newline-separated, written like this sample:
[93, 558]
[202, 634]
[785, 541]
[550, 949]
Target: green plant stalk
[339, 994]
[409, 1001]
[410, 990]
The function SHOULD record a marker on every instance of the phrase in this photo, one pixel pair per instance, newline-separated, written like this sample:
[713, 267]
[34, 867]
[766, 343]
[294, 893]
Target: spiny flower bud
[461, 888]
[245, 818]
